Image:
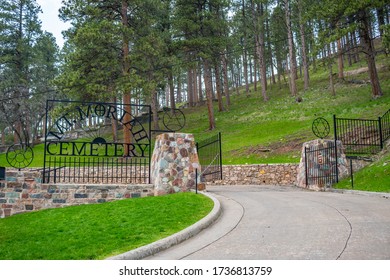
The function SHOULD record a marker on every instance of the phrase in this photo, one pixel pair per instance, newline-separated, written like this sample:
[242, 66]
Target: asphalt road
[287, 223]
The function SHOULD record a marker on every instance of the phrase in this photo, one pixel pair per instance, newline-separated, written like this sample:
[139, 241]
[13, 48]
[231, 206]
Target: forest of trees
[177, 52]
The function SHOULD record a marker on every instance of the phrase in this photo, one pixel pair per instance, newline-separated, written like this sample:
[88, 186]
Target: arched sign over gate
[84, 143]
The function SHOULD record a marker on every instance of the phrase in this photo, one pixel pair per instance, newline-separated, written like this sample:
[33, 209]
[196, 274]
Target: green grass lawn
[98, 231]
[374, 177]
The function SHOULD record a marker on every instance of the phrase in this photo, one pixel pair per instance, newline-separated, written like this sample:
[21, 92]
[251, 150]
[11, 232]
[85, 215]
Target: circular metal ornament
[174, 120]
[19, 156]
[320, 128]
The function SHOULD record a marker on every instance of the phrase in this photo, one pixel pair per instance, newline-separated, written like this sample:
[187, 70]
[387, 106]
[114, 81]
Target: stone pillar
[320, 163]
[173, 163]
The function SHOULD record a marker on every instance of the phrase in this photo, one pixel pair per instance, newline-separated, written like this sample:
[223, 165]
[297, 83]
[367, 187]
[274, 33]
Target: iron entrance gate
[84, 143]
[321, 166]
[210, 158]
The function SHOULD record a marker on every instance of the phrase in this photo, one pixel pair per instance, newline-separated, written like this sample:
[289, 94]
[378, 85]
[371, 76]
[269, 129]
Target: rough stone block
[59, 201]
[12, 195]
[135, 195]
[36, 195]
[29, 207]
[80, 195]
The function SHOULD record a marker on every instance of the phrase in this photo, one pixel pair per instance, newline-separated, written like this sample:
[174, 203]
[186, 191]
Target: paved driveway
[269, 222]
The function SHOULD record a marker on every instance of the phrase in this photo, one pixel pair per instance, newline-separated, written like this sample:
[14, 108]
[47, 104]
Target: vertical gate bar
[380, 132]
[89, 164]
[337, 162]
[196, 180]
[306, 173]
[44, 154]
[98, 167]
[134, 169]
[59, 168]
[106, 173]
[220, 153]
[126, 170]
[112, 170]
[55, 170]
[146, 172]
[79, 168]
[150, 144]
[84, 169]
[350, 162]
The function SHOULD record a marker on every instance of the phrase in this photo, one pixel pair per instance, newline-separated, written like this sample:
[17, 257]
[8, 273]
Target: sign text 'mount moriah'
[81, 114]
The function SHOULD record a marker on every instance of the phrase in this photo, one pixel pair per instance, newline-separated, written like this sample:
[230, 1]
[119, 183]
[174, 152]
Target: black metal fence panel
[210, 158]
[81, 147]
[321, 166]
[359, 136]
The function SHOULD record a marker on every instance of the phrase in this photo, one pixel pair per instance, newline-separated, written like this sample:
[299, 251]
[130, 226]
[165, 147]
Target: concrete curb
[365, 193]
[158, 246]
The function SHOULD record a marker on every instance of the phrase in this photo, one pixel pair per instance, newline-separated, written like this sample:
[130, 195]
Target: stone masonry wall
[23, 191]
[259, 174]
[173, 164]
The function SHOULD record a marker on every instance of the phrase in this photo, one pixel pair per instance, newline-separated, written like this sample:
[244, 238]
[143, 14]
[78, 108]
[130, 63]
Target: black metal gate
[81, 145]
[321, 166]
[210, 158]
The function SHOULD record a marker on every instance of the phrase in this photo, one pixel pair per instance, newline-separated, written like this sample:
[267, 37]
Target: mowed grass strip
[374, 177]
[97, 231]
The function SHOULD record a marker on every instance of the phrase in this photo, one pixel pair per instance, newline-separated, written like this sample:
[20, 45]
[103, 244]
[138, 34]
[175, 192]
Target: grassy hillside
[254, 131]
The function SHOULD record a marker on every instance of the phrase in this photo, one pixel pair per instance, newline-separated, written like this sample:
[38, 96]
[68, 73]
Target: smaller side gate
[321, 166]
[210, 158]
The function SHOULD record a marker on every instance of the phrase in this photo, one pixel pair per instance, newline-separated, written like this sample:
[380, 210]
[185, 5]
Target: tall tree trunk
[330, 68]
[195, 86]
[114, 124]
[349, 49]
[293, 67]
[273, 81]
[304, 53]
[356, 56]
[370, 54]
[225, 80]
[200, 90]
[125, 73]
[259, 37]
[218, 87]
[190, 87]
[245, 51]
[155, 105]
[255, 69]
[245, 62]
[209, 95]
[179, 96]
[279, 69]
[381, 19]
[340, 59]
[171, 90]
